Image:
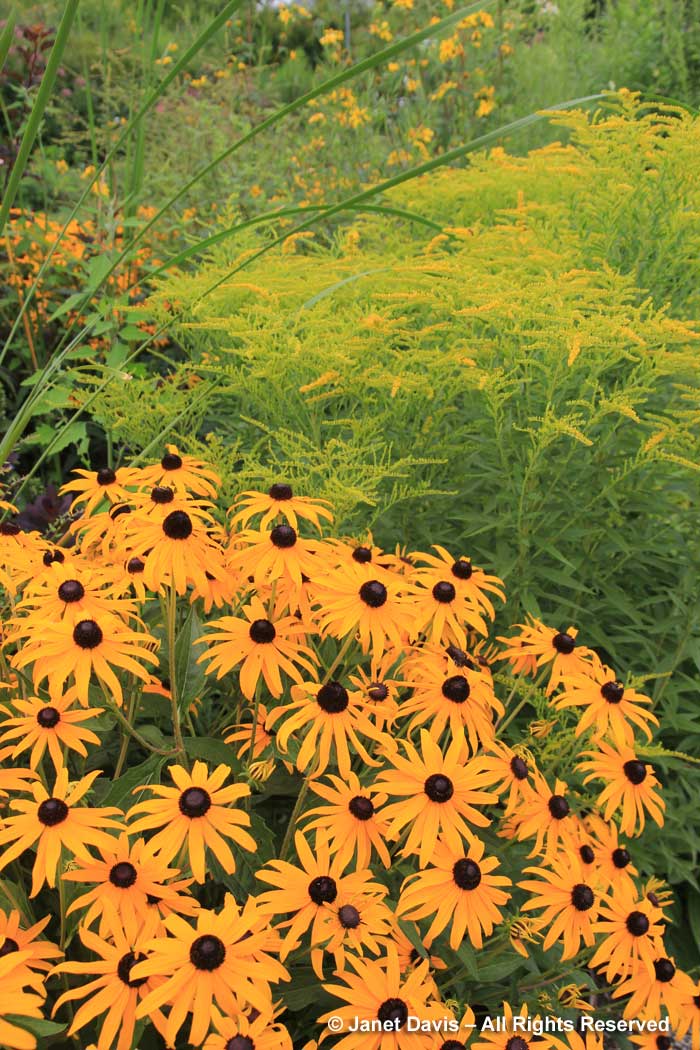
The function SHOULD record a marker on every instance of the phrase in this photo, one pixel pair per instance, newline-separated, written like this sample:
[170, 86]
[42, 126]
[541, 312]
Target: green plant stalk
[37, 111]
[171, 608]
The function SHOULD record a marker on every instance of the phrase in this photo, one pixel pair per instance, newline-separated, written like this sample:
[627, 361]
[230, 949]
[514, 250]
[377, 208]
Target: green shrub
[523, 385]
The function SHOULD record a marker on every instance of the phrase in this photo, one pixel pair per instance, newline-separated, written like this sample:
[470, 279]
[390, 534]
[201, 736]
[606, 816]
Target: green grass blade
[6, 38]
[37, 110]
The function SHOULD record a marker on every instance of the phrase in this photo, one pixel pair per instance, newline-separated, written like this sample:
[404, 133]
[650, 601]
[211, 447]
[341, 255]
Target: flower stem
[296, 812]
[339, 656]
[172, 670]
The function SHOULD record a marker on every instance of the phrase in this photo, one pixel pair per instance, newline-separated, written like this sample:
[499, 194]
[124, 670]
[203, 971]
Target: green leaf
[467, 957]
[413, 934]
[190, 674]
[37, 1025]
[212, 750]
[120, 793]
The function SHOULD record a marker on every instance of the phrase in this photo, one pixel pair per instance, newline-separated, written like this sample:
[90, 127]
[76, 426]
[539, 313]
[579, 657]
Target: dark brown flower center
[620, 857]
[395, 1011]
[558, 807]
[637, 923]
[518, 767]
[283, 536]
[71, 591]
[240, 1042]
[466, 873]
[564, 643]
[349, 917]
[663, 1042]
[162, 494]
[52, 811]
[194, 802]
[635, 771]
[439, 788]
[87, 634]
[586, 854]
[207, 952]
[135, 566]
[362, 555]
[106, 476]
[323, 889]
[280, 491]
[373, 593]
[456, 689]
[460, 658]
[582, 897]
[171, 461]
[516, 1043]
[377, 691]
[8, 528]
[48, 717]
[361, 807]
[452, 1044]
[444, 592]
[332, 698]
[664, 970]
[262, 632]
[612, 692]
[123, 875]
[126, 965]
[462, 569]
[177, 525]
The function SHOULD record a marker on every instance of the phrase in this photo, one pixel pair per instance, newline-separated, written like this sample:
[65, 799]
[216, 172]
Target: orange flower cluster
[370, 674]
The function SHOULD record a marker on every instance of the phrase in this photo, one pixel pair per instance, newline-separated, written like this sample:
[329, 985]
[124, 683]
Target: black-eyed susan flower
[443, 695]
[25, 946]
[460, 890]
[127, 881]
[652, 991]
[548, 646]
[197, 813]
[376, 992]
[352, 820]
[306, 891]
[242, 732]
[328, 716]
[262, 646]
[470, 582]
[380, 687]
[546, 816]
[441, 613]
[613, 859]
[280, 500]
[183, 473]
[631, 934]
[61, 651]
[506, 771]
[71, 592]
[510, 1036]
[40, 725]
[247, 1033]
[630, 786]
[439, 796]
[223, 962]
[104, 485]
[567, 901]
[267, 555]
[609, 706]
[177, 550]
[355, 599]
[358, 921]
[657, 1040]
[55, 821]
[689, 1019]
[113, 993]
